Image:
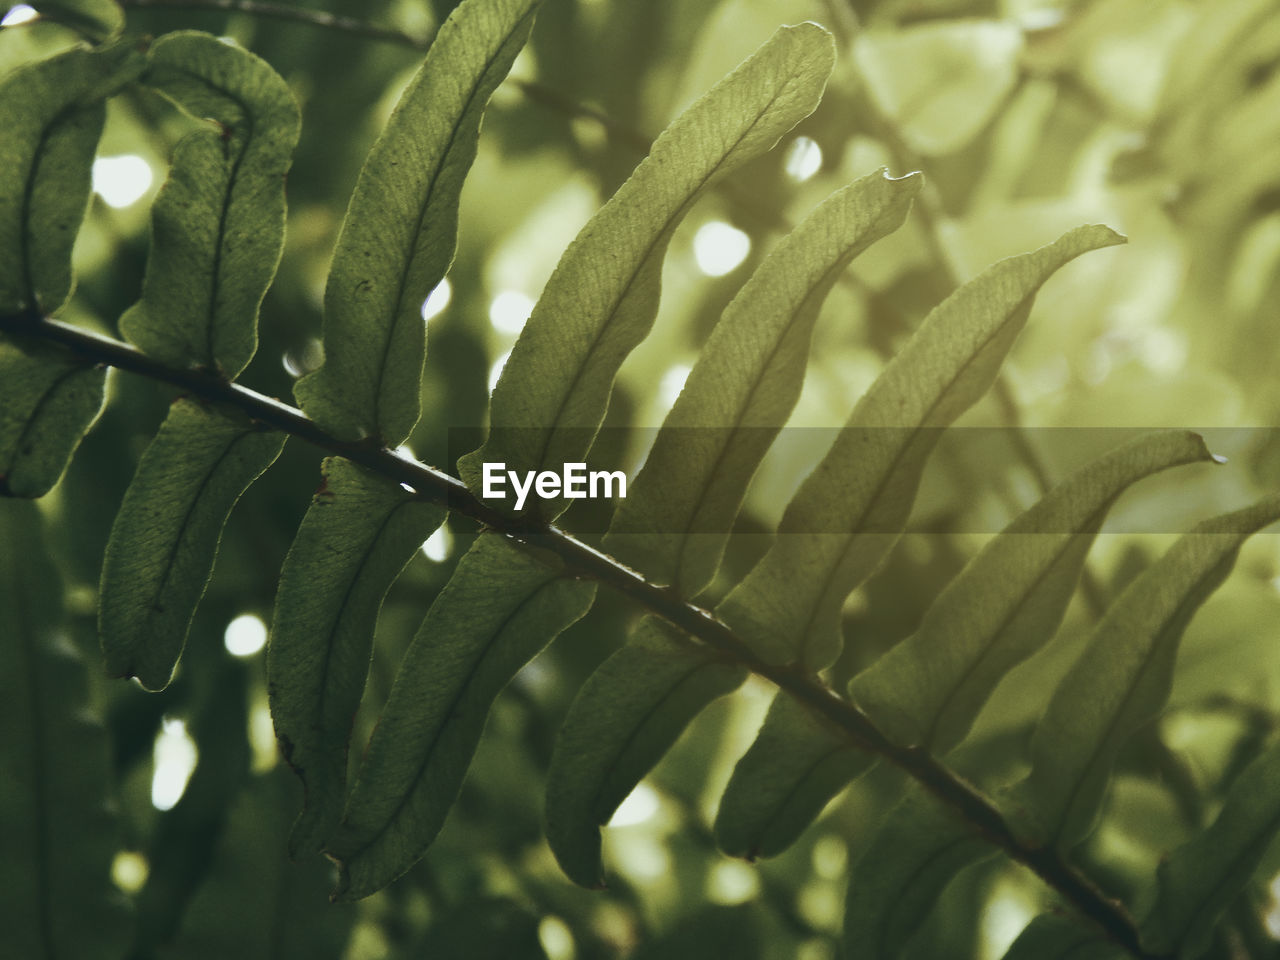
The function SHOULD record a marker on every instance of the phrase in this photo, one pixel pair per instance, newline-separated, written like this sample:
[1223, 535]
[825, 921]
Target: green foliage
[398, 238]
[166, 534]
[355, 540]
[217, 227]
[1020, 734]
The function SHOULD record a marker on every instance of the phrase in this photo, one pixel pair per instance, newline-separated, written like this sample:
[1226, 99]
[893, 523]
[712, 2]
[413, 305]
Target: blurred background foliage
[1160, 118]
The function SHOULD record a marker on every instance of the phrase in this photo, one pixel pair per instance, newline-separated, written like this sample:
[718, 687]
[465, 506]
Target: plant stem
[583, 560]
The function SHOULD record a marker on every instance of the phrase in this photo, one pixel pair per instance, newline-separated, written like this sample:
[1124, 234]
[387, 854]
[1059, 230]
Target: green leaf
[795, 766]
[1122, 678]
[1007, 603]
[217, 227]
[916, 852]
[602, 299]
[674, 523]
[626, 716]
[1200, 879]
[56, 831]
[47, 403]
[399, 236]
[1053, 937]
[94, 18]
[501, 607]
[280, 908]
[52, 114]
[166, 535]
[851, 510]
[355, 539]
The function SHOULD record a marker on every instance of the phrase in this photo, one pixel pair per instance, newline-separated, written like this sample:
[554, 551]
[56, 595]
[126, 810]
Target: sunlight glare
[672, 383]
[19, 14]
[437, 300]
[637, 808]
[496, 370]
[245, 635]
[509, 311]
[174, 758]
[437, 546]
[121, 181]
[719, 248]
[804, 159]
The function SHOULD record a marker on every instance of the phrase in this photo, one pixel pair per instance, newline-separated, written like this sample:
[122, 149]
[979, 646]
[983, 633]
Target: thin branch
[582, 560]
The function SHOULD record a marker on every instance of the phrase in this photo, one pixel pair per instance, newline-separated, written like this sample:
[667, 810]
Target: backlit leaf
[355, 539]
[217, 226]
[501, 607]
[52, 114]
[916, 852]
[851, 509]
[1200, 879]
[166, 535]
[601, 300]
[1006, 603]
[47, 403]
[674, 523]
[626, 716]
[401, 228]
[795, 766]
[56, 831]
[1122, 678]
[1054, 937]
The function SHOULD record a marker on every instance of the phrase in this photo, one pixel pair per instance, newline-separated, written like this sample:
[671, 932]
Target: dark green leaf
[1054, 937]
[52, 114]
[1122, 678]
[47, 403]
[916, 852]
[255, 904]
[217, 227]
[501, 607]
[626, 716]
[1202, 877]
[401, 229]
[56, 831]
[166, 535]
[603, 296]
[1007, 603]
[851, 510]
[359, 533]
[94, 18]
[674, 523]
[795, 766]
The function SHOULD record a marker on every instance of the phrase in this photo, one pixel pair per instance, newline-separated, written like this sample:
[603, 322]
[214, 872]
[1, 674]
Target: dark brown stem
[583, 560]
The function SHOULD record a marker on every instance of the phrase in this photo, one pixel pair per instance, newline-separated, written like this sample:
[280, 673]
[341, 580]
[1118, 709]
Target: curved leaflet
[675, 521]
[165, 537]
[217, 226]
[357, 536]
[788, 607]
[602, 299]
[500, 608]
[1053, 937]
[56, 830]
[400, 232]
[625, 717]
[48, 402]
[916, 852]
[1200, 879]
[1122, 679]
[52, 114]
[781, 784]
[1006, 603]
